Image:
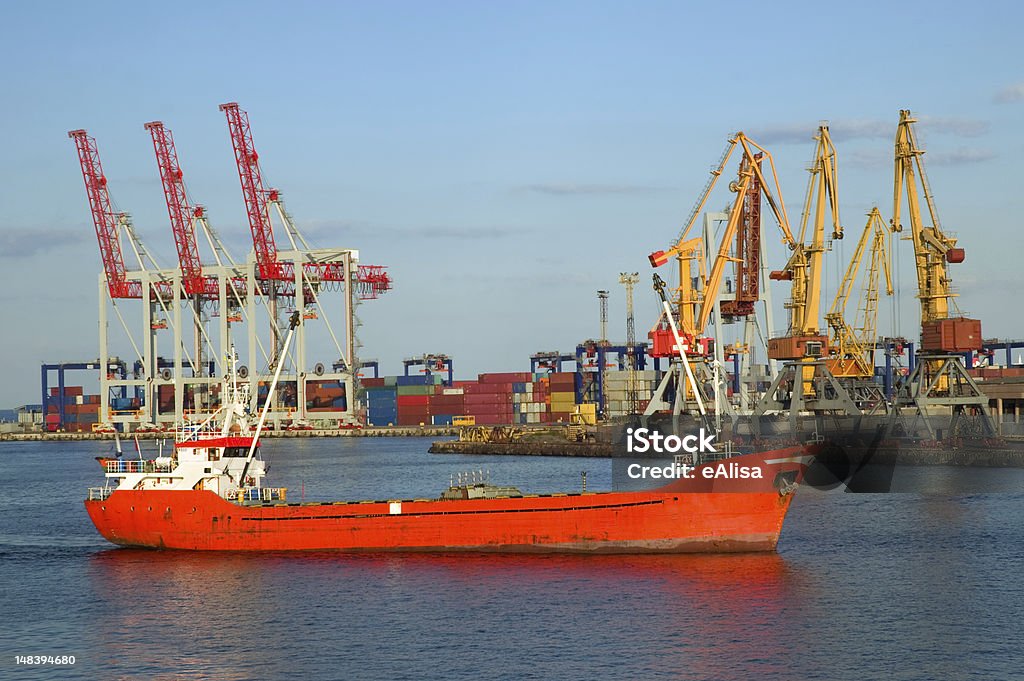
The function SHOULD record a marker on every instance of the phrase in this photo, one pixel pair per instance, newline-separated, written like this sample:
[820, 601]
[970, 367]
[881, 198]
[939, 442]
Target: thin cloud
[873, 159]
[571, 189]
[962, 156]
[25, 243]
[336, 230]
[855, 129]
[1010, 93]
[961, 127]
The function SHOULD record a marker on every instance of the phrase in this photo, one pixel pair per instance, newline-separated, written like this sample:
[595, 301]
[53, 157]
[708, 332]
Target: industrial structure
[199, 312]
[823, 365]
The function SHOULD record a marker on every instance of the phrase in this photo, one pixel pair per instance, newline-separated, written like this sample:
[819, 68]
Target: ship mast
[292, 324]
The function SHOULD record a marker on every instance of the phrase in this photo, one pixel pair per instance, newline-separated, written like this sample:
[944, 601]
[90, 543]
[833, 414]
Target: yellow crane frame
[852, 347]
[694, 306]
[805, 265]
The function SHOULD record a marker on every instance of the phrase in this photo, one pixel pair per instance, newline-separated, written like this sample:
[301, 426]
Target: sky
[503, 160]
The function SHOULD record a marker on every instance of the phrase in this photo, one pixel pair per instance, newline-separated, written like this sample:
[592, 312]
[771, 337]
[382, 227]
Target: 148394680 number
[44, 659]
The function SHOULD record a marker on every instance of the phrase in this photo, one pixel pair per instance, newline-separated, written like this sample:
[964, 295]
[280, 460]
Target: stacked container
[381, 407]
[445, 404]
[616, 391]
[80, 411]
[413, 395]
[562, 396]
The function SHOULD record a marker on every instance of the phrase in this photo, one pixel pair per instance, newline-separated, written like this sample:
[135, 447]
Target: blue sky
[505, 160]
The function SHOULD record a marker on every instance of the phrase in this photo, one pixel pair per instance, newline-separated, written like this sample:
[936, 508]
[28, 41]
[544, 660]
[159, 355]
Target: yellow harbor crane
[805, 383]
[934, 251]
[698, 292]
[695, 305]
[852, 348]
[804, 337]
[939, 383]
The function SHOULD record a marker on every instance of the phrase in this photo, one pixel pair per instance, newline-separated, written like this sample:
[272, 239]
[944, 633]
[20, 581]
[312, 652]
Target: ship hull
[694, 515]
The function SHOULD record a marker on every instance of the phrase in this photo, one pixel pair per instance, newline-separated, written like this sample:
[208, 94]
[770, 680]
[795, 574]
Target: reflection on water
[220, 607]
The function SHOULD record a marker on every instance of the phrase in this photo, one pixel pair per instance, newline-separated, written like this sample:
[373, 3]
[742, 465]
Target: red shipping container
[515, 377]
[412, 401]
[457, 401]
[414, 411]
[562, 381]
[487, 399]
[414, 420]
[371, 382]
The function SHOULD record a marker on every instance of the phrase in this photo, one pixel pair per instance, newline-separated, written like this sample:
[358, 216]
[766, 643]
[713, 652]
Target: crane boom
[690, 305]
[178, 209]
[255, 196]
[105, 220]
[369, 281]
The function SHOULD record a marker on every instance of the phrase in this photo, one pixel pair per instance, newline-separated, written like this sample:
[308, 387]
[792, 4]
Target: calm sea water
[926, 584]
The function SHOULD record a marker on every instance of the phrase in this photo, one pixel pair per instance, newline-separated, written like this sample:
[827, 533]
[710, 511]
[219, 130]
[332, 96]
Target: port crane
[146, 283]
[805, 383]
[939, 378]
[699, 292]
[297, 275]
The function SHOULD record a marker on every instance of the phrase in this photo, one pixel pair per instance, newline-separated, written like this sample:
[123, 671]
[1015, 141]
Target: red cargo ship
[194, 502]
[209, 495]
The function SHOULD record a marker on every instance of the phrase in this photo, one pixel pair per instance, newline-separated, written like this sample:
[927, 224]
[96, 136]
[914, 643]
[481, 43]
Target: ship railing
[99, 493]
[138, 466]
[262, 494]
[196, 432]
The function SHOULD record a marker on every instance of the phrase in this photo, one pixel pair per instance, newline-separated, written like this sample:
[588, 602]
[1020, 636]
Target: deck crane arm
[943, 329]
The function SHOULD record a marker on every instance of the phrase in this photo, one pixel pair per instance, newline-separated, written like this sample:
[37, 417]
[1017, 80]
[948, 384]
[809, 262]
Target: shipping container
[412, 380]
[515, 377]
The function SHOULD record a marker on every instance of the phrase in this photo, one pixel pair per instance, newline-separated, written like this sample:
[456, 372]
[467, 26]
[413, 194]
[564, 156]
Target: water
[919, 585]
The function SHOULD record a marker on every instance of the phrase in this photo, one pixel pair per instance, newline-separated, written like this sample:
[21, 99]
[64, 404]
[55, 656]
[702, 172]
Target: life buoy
[319, 369]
